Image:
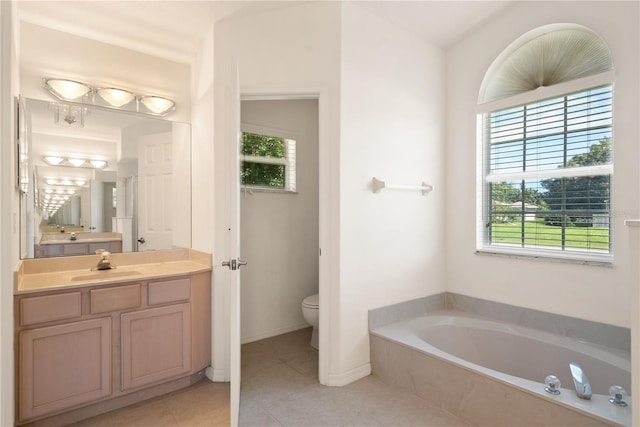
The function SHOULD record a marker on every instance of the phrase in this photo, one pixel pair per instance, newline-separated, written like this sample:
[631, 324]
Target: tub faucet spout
[580, 381]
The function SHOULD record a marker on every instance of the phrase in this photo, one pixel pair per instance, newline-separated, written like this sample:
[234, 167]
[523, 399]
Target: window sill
[251, 190]
[597, 260]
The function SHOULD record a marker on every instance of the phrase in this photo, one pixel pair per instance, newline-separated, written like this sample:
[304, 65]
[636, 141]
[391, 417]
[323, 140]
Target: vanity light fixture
[75, 162]
[66, 182]
[110, 97]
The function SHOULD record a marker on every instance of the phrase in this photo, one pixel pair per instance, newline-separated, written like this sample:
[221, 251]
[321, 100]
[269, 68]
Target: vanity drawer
[48, 308]
[74, 249]
[115, 298]
[169, 291]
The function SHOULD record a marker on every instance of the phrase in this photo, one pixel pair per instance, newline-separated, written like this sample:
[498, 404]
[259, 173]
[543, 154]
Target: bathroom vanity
[63, 244]
[99, 340]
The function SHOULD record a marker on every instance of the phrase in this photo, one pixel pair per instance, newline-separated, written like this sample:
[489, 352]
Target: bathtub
[492, 373]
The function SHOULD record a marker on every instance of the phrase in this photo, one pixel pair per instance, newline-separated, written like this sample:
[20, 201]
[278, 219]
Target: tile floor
[203, 404]
[280, 388]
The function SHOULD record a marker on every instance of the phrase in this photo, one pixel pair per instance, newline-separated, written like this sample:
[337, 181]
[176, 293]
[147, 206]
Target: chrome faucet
[103, 263]
[580, 381]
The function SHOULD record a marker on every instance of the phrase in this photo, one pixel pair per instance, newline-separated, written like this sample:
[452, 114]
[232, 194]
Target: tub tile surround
[465, 394]
[474, 396]
[35, 275]
[584, 330]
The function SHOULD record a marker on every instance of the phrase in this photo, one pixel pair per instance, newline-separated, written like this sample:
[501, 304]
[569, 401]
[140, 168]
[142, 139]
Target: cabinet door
[156, 345]
[64, 366]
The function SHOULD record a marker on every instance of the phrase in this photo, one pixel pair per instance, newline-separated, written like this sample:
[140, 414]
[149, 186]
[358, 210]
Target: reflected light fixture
[76, 162]
[53, 160]
[157, 104]
[98, 164]
[67, 89]
[116, 97]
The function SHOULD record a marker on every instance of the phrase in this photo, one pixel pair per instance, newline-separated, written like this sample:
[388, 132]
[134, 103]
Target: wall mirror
[102, 179]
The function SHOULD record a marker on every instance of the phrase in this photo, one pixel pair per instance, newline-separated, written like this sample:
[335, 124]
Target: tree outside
[254, 173]
[564, 206]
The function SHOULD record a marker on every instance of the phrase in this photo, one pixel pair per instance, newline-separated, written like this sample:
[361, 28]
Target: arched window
[545, 147]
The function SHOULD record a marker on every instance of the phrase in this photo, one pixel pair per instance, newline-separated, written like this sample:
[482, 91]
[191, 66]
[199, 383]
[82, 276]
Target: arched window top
[543, 57]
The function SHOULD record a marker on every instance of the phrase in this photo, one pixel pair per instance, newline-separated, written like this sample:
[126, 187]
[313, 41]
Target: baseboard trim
[273, 333]
[339, 380]
[216, 375]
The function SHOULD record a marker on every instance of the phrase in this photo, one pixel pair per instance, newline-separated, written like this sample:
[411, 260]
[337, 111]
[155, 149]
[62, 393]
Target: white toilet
[310, 314]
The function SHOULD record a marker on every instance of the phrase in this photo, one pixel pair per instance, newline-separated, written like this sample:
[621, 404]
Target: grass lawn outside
[537, 233]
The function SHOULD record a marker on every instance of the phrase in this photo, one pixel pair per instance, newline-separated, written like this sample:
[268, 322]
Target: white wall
[595, 293]
[392, 127]
[202, 200]
[385, 92]
[279, 231]
[293, 50]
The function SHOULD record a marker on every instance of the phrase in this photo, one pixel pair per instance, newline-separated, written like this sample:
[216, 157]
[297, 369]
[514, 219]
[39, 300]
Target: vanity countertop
[38, 275]
[65, 238]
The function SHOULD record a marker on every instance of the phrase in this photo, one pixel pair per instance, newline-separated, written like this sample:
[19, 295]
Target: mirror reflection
[102, 179]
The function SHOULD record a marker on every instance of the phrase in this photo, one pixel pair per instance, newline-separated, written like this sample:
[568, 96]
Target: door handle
[234, 264]
[141, 240]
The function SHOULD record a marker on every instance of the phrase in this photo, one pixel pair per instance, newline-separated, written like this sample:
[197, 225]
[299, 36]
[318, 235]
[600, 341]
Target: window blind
[547, 169]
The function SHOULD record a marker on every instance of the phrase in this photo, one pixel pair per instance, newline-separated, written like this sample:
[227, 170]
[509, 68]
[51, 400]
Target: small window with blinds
[268, 162]
[546, 185]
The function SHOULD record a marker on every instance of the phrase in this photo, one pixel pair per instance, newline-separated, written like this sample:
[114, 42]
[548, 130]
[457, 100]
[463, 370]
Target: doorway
[279, 214]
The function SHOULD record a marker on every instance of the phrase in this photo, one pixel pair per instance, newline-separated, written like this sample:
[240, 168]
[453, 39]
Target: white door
[226, 271]
[154, 192]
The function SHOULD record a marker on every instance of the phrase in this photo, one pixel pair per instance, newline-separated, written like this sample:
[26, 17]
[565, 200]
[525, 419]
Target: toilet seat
[311, 301]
